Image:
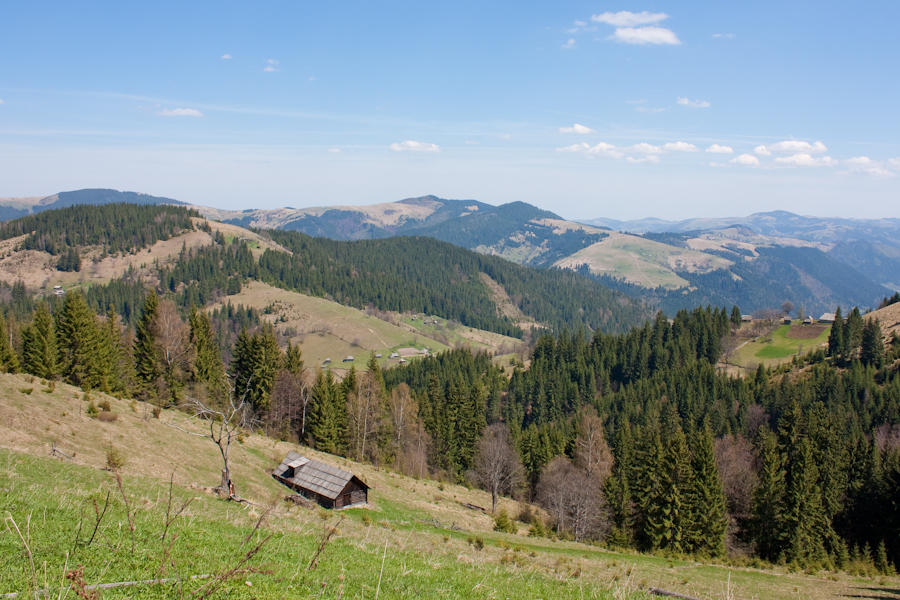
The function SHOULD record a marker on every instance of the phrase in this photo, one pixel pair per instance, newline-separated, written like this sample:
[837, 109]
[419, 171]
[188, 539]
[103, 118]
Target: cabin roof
[323, 479]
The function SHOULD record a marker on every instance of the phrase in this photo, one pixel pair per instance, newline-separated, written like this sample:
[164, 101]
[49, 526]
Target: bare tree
[592, 453]
[173, 343]
[364, 411]
[225, 424]
[497, 466]
[573, 497]
[410, 440]
[288, 404]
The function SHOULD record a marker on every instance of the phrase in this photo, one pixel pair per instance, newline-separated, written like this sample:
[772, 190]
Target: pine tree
[871, 351]
[208, 369]
[254, 366]
[148, 366]
[328, 415]
[78, 342]
[768, 499]
[836, 335]
[39, 352]
[707, 515]
[9, 361]
[735, 316]
[293, 359]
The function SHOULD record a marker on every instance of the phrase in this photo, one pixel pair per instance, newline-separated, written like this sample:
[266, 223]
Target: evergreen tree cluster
[113, 227]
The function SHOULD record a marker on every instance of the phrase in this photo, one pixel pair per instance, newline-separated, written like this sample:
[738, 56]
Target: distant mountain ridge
[758, 261]
[13, 208]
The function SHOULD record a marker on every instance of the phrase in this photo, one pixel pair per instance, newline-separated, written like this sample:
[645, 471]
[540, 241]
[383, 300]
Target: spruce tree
[78, 342]
[871, 351]
[836, 335]
[208, 369]
[9, 361]
[148, 366]
[39, 352]
[707, 515]
[768, 499]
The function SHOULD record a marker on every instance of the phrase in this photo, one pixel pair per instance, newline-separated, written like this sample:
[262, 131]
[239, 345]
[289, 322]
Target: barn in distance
[327, 485]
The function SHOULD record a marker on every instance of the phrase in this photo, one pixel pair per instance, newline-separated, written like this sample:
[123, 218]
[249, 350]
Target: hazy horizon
[666, 110]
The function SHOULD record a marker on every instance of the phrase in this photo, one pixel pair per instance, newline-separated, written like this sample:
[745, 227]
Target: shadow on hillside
[880, 594]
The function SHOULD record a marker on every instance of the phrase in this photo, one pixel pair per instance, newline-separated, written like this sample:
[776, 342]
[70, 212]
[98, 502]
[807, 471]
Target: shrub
[92, 410]
[107, 416]
[503, 523]
[115, 460]
[26, 391]
[105, 405]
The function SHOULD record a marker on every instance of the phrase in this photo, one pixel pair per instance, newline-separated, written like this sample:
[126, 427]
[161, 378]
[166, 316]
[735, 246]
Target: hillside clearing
[643, 262]
[781, 345]
[326, 329]
[425, 524]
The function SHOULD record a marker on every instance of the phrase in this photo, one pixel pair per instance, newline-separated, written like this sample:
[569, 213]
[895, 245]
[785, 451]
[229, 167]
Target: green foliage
[503, 523]
[9, 361]
[113, 227]
[256, 360]
[39, 351]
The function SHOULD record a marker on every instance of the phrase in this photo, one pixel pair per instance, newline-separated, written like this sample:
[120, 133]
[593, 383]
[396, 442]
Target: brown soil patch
[805, 332]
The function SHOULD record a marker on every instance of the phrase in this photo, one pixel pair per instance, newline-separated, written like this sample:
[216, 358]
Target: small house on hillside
[826, 318]
[330, 486]
[746, 318]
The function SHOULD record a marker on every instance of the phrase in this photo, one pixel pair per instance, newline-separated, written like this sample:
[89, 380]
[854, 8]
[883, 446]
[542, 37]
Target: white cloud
[723, 36]
[226, 56]
[804, 159]
[719, 149]
[599, 149]
[271, 65]
[894, 162]
[649, 109]
[334, 150]
[762, 150]
[414, 146]
[180, 112]
[576, 128]
[652, 159]
[693, 103]
[864, 164]
[646, 35]
[570, 43]
[625, 18]
[794, 147]
[680, 147]
[580, 23]
[747, 160]
[645, 148]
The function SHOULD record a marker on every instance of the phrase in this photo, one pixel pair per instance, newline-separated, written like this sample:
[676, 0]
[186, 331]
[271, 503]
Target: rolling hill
[757, 262]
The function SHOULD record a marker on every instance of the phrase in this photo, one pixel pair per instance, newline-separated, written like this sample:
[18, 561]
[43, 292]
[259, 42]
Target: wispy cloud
[720, 149]
[645, 148]
[746, 160]
[180, 112]
[649, 158]
[625, 18]
[598, 149]
[680, 147]
[414, 146]
[570, 43]
[334, 150]
[864, 164]
[792, 147]
[1, 100]
[693, 103]
[803, 159]
[226, 56]
[894, 163]
[723, 36]
[649, 109]
[271, 65]
[656, 36]
[576, 128]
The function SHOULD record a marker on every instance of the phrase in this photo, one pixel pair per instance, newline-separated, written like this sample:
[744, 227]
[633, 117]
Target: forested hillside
[112, 227]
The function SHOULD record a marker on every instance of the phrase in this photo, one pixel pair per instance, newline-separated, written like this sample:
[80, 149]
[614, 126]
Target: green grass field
[780, 346]
[325, 329]
[416, 540]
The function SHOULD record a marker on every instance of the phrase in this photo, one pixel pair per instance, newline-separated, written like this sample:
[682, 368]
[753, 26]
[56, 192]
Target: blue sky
[669, 109]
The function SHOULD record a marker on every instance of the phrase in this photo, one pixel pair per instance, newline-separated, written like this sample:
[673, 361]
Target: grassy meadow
[416, 539]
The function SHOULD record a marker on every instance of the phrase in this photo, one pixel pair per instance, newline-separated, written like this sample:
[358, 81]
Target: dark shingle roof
[325, 480]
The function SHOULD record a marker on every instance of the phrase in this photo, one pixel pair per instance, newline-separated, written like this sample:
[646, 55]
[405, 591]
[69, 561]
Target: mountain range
[757, 262]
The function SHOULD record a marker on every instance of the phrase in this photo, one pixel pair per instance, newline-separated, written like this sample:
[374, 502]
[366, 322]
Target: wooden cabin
[325, 484]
